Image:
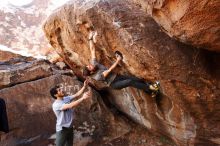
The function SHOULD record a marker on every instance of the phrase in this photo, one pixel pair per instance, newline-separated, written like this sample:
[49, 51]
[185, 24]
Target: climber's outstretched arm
[92, 40]
[92, 49]
[107, 72]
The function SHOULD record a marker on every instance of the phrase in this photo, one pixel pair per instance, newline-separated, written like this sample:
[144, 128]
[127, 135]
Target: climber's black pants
[122, 81]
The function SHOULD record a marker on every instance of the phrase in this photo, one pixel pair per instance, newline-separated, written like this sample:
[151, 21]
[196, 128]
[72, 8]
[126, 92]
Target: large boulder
[32, 121]
[187, 111]
[23, 69]
[196, 22]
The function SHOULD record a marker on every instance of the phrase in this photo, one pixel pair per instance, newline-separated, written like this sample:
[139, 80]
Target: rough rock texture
[19, 70]
[196, 22]
[20, 27]
[189, 108]
[5, 56]
[32, 120]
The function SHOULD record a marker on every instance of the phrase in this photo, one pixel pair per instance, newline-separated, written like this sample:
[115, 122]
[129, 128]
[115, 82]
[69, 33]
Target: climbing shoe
[155, 93]
[155, 88]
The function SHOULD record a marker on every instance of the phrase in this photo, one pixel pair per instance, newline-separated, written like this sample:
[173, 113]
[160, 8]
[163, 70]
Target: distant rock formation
[20, 27]
[187, 112]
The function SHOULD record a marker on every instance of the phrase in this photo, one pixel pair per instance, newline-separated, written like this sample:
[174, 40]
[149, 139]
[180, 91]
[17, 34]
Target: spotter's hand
[86, 82]
[87, 94]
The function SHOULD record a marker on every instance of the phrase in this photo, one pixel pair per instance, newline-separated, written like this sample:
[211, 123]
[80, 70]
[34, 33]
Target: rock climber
[100, 72]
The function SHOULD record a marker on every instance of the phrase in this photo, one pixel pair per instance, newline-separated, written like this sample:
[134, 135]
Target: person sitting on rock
[99, 72]
[63, 109]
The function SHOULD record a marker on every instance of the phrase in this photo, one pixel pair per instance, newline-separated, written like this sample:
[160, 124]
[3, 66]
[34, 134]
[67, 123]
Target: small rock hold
[143, 140]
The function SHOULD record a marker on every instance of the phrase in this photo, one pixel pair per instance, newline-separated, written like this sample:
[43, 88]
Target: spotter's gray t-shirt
[64, 117]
